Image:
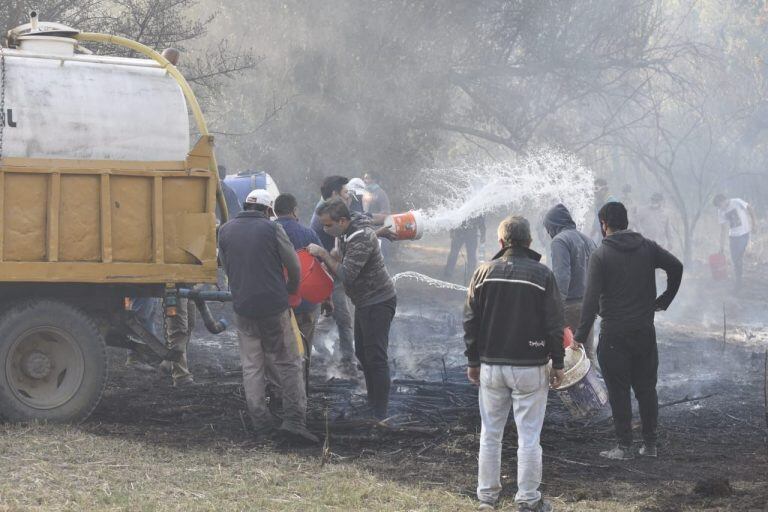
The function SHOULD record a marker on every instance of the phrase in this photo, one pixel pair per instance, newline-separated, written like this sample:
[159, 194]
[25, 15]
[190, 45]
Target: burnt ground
[713, 435]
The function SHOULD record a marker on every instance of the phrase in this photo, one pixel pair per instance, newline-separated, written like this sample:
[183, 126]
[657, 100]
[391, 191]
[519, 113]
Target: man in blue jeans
[513, 327]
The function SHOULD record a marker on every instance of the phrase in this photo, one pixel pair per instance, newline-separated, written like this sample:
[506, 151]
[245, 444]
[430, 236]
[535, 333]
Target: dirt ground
[713, 451]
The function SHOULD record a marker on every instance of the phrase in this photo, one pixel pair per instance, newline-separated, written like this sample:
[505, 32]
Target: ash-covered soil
[714, 447]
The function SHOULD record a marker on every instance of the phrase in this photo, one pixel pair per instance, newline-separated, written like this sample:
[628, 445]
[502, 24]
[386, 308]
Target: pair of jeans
[343, 318]
[738, 248]
[268, 346]
[630, 360]
[524, 389]
[372, 325]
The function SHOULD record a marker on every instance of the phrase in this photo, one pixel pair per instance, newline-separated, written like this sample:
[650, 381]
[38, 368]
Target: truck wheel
[53, 363]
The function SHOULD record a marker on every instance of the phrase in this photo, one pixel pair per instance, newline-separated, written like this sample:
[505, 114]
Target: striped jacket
[513, 314]
[362, 270]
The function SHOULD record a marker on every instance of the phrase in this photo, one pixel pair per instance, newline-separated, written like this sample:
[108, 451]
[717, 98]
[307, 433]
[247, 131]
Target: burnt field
[713, 446]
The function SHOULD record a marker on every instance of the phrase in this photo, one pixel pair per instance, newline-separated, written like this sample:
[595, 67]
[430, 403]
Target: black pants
[371, 343]
[631, 360]
[467, 239]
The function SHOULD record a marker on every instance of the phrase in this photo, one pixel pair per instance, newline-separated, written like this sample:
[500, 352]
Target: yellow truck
[101, 198]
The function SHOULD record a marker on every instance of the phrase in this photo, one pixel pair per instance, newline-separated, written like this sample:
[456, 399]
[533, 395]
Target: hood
[558, 219]
[359, 221]
[624, 241]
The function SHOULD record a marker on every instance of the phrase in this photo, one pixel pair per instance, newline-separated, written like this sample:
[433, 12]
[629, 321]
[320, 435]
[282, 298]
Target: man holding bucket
[621, 286]
[513, 326]
[359, 266]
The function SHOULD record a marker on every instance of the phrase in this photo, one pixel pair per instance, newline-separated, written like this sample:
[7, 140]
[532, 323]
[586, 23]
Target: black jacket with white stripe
[513, 314]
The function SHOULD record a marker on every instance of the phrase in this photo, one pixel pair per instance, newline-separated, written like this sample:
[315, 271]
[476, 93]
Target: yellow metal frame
[106, 270]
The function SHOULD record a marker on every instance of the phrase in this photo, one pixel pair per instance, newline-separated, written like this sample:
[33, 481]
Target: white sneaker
[618, 453]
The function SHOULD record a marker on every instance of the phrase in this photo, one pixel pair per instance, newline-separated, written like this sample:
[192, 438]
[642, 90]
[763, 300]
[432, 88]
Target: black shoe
[299, 433]
[648, 450]
[540, 506]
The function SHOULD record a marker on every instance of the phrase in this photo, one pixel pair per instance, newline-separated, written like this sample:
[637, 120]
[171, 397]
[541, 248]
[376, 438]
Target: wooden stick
[686, 399]
[725, 334]
[765, 389]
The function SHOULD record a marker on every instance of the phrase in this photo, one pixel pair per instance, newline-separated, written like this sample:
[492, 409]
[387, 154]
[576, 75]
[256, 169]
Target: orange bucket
[407, 226]
[316, 285]
[718, 266]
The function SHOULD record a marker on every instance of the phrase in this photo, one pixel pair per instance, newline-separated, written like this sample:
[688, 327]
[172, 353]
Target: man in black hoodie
[621, 286]
[570, 256]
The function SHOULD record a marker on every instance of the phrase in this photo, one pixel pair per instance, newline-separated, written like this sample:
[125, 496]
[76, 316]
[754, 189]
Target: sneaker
[486, 505]
[618, 453]
[540, 506]
[648, 450]
[298, 432]
[184, 382]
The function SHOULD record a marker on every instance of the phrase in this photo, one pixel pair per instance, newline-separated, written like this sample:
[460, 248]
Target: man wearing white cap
[253, 251]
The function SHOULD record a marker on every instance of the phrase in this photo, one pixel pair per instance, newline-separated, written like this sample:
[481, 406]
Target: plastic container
[408, 225]
[583, 391]
[718, 266]
[315, 285]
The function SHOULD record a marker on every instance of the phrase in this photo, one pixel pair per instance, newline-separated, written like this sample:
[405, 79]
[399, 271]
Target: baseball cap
[260, 196]
[356, 185]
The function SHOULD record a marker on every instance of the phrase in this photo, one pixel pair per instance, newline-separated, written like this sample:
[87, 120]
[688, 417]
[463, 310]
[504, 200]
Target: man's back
[622, 276]
[513, 314]
[250, 249]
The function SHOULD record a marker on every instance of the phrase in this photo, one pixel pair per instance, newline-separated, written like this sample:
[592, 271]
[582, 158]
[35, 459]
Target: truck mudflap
[128, 332]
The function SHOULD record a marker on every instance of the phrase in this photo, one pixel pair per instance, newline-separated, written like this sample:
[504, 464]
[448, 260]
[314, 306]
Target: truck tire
[53, 362]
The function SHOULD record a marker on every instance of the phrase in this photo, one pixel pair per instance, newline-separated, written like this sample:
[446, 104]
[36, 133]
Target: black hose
[214, 326]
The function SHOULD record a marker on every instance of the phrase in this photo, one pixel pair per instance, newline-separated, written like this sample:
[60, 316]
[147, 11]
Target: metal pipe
[214, 326]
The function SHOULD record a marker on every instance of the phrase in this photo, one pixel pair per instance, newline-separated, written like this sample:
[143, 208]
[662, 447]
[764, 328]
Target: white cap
[260, 196]
[356, 185]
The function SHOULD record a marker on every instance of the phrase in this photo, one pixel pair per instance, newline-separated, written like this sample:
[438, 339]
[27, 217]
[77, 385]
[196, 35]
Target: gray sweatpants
[270, 343]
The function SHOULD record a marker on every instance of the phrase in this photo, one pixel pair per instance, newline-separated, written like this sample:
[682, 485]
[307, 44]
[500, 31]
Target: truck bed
[103, 221]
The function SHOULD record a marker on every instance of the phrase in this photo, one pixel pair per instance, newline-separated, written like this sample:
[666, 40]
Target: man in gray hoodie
[571, 250]
[359, 265]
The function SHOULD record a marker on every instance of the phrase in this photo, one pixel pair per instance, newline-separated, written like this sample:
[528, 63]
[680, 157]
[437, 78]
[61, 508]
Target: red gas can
[718, 266]
[316, 284]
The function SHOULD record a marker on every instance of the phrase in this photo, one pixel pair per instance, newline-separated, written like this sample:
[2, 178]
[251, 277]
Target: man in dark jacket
[286, 209]
[359, 265]
[336, 187]
[513, 326]
[253, 251]
[465, 235]
[621, 287]
[570, 255]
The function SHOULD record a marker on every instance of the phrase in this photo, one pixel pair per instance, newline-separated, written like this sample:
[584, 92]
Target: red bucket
[718, 266]
[567, 337]
[316, 285]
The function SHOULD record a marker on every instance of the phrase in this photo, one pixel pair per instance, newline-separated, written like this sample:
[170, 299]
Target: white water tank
[62, 105]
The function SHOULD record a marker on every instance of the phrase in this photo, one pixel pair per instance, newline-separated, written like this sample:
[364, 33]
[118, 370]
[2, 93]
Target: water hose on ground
[185, 88]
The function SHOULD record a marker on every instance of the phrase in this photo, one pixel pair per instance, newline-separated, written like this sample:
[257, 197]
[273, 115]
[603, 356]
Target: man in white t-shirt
[737, 220]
